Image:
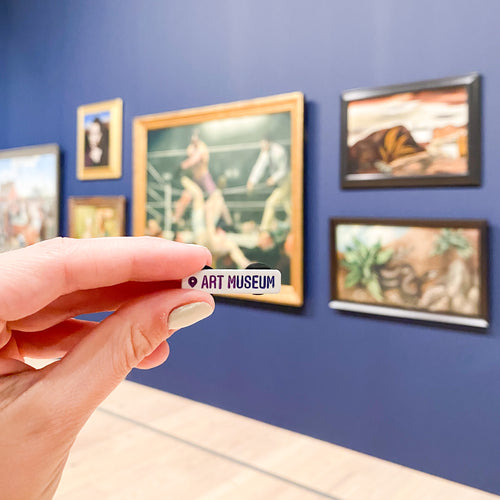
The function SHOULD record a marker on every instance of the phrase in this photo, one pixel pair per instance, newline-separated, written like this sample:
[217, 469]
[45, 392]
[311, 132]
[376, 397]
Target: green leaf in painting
[373, 286]
[384, 256]
[352, 278]
[351, 257]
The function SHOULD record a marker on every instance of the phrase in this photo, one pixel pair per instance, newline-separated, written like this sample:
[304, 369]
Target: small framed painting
[99, 140]
[29, 195]
[418, 134]
[434, 270]
[229, 177]
[96, 216]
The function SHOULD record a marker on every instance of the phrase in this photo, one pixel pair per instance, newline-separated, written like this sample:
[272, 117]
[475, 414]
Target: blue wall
[4, 34]
[424, 396]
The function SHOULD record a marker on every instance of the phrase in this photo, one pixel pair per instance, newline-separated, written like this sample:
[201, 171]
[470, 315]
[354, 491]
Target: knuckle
[60, 252]
[58, 245]
[139, 343]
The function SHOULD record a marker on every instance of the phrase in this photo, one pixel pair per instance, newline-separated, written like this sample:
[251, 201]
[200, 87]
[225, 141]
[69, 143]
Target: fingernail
[189, 314]
[209, 254]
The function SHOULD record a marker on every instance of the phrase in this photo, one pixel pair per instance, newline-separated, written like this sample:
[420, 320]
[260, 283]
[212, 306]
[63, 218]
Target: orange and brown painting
[434, 269]
[423, 133]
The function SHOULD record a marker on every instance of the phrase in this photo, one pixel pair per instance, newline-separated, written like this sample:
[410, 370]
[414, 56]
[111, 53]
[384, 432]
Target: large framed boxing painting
[418, 134]
[229, 177]
[431, 270]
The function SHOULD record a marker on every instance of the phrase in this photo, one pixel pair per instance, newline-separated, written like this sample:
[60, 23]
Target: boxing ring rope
[244, 146]
[162, 191]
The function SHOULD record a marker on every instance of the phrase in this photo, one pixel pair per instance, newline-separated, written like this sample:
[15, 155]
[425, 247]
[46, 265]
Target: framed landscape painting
[434, 270]
[99, 140]
[29, 195]
[418, 134]
[228, 177]
[96, 216]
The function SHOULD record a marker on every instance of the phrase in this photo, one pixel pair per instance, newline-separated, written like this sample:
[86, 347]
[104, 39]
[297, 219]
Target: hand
[270, 182]
[42, 288]
[250, 186]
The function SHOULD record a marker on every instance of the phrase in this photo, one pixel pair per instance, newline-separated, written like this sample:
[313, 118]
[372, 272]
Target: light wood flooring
[146, 444]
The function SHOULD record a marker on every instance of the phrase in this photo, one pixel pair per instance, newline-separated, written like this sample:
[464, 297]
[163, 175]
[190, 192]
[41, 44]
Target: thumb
[86, 375]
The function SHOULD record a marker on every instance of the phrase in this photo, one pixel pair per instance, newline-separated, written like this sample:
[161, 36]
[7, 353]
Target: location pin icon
[192, 281]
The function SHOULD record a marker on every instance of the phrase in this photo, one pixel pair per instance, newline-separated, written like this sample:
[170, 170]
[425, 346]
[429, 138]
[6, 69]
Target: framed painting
[418, 134]
[29, 195]
[433, 270]
[99, 140]
[229, 177]
[96, 216]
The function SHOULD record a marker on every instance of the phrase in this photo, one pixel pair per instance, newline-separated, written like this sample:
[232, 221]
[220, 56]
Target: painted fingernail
[189, 314]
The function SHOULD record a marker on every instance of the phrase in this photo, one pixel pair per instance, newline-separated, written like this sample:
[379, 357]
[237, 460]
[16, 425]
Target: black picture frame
[429, 270]
[374, 153]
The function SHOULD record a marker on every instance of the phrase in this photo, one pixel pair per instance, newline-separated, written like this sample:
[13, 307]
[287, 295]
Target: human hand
[42, 288]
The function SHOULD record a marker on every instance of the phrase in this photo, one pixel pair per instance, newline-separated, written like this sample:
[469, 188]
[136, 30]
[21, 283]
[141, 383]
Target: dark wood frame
[480, 321]
[116, 202]
[471, 81]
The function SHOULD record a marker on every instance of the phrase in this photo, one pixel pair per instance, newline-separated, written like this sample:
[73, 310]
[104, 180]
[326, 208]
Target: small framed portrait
[430, 270]
[228, 177]
[99, 140]
[29, 195]
[96, 216]
[418, 134]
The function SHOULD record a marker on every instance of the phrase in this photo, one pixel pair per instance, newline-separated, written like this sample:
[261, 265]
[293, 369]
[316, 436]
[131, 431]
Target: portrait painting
[29, 195]
[228, 177]
[99, 140]
[96, 216]
[420, 269]
[421, 134]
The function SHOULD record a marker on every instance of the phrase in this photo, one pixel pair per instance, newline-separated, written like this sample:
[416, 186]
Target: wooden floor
[146, 444]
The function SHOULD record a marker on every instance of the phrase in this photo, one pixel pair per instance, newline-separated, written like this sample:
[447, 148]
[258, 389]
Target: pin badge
[254, 279]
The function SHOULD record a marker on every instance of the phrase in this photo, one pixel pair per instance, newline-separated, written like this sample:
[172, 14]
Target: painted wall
[4, 34]
[424, 396]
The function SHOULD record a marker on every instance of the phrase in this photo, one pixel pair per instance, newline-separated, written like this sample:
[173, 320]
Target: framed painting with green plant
[433, 270]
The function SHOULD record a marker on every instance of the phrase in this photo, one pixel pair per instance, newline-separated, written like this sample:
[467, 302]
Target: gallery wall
[422, 395]
[3, 64]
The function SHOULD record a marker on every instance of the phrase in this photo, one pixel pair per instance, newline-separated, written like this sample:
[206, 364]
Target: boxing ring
[162, 193]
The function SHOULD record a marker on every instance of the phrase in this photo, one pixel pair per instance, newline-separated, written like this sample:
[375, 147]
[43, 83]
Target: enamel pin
[231, 281]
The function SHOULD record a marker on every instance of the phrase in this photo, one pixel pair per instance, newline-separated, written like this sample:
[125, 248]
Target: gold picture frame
[99, 140]
[196, 180]
[96, 216]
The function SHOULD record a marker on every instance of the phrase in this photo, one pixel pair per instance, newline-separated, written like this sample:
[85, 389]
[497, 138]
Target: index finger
[34, 276]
